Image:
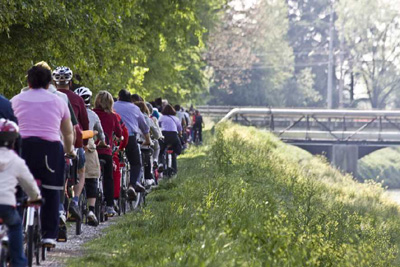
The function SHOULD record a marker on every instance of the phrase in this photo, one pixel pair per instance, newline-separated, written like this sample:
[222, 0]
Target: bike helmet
[9, 132]
[85, 93]
[62, 75]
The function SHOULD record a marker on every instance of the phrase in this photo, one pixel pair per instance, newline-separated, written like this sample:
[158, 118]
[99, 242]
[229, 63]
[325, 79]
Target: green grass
[246, 199]
[382, 166]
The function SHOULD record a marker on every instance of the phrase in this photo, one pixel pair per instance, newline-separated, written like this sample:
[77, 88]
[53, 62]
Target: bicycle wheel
[37, 243]
[3, 255]
[44, 253]
[29, 245]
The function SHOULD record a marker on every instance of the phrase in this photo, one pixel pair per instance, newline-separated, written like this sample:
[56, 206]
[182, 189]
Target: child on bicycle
[13, 171]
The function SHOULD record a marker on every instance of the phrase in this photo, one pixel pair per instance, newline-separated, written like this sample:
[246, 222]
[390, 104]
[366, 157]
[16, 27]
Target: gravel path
[57, 257]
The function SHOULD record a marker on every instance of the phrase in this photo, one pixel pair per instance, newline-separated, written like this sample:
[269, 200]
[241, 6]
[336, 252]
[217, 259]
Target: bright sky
[242, 4]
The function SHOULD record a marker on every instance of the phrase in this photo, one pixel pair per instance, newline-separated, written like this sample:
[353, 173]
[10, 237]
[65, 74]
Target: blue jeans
[12, 219]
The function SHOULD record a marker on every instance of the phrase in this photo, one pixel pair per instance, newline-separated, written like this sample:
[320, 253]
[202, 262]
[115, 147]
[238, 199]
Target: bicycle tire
[3, 256]
[44, 253]
[122, 201]
[29, 245]
[37, 241]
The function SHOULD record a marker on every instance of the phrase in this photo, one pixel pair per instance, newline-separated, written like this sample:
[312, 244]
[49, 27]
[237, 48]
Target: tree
[372, 33]
[250, 56]
[151, 47]
[308, 35]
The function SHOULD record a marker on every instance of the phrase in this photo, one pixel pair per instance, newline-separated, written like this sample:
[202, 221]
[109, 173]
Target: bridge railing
[321, 124]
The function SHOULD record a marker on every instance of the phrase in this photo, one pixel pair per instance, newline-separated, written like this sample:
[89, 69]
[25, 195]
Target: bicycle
[32, 231]
[123, 195]
[168, 158]
[71, 179]
[140, 200]
[100, 201]
[4, 253]
[196, 136]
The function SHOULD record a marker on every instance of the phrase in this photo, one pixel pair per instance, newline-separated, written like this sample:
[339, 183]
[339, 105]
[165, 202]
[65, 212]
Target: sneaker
[49, 242]
[131, 194]
[150, 182]
[92, 220]
[139, 188]
[110, 212]
[63, 219]
[74, 210]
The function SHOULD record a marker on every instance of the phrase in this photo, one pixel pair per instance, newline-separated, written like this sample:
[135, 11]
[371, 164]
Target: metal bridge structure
[343, 136]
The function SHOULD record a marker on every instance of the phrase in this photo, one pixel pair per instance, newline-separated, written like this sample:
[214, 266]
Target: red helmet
[9, 131]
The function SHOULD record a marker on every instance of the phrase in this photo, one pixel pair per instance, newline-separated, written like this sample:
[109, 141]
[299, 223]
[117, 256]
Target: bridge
[343, 136]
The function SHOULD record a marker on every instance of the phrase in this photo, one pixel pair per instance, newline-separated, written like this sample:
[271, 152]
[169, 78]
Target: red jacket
[78, 105]
[111, 126]
[125, 133]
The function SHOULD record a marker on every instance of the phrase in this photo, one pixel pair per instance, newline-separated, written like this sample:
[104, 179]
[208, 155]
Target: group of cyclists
[53, 120]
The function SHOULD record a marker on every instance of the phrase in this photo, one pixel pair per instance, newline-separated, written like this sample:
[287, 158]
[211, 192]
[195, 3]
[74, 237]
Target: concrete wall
[345, 158]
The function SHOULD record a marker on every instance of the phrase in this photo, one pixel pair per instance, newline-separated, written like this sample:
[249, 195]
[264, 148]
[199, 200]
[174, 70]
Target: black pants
[91, 187]
[198, 128]
[171, 139]
[133, 155]
[46, 162]
[147, 163]
[108, 182]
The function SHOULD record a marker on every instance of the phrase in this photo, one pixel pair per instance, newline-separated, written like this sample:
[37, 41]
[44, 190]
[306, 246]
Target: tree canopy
[148, 46]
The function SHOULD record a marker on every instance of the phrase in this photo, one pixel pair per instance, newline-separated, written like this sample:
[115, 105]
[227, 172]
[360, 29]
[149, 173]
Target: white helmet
[62, 75]
[85, 93]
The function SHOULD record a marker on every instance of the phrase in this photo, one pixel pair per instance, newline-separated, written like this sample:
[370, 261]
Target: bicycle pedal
[62, 234]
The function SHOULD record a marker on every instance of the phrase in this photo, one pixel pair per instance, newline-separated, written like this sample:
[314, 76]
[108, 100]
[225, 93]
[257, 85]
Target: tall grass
[246, 199]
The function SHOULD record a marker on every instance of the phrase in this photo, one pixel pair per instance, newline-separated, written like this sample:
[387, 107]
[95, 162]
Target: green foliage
[269, 205]
[151, 47]
[382, 166]
[371, 31]
[250, 56]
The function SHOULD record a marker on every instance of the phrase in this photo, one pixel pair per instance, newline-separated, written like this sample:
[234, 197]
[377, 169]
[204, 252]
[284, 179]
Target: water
[394, 194]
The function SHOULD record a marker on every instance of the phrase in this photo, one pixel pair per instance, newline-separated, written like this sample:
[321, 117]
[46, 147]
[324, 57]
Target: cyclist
[6, 110]
[120, 144]
[135, 122]
[171, 129]
[13, 171]
[136, 98]
[92, 165]
[63, 78]
[198, 125]
[155, 134]
[41, 116]
[103, 107]
[181, 116]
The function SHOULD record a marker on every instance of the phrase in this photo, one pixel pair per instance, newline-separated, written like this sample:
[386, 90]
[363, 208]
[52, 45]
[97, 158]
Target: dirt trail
[57, 257]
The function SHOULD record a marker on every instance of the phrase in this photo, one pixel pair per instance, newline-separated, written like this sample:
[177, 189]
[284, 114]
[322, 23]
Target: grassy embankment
[382, 166]
[246, 199]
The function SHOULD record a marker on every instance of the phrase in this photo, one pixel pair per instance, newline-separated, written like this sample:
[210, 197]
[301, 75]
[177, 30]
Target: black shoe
[74, 210]
[131, 194]
[140, 188]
